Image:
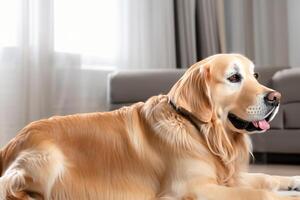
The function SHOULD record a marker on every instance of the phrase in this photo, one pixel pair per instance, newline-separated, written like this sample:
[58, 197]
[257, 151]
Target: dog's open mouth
[259, 125]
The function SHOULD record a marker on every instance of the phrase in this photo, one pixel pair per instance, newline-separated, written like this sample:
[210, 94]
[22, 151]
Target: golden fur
[147, 150]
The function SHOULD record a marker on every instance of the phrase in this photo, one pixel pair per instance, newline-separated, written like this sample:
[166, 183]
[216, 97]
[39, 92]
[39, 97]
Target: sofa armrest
[127, 87]
[287, 82]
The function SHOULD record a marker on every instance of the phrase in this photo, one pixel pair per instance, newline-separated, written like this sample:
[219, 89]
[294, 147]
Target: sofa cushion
[292, 115]
[277, 141]
[286, 82]
[277, 122]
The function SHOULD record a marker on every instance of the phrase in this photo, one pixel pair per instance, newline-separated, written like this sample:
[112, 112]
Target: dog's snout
[273, 98]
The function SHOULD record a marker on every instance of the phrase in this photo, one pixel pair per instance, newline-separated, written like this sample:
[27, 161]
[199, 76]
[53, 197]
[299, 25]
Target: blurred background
[60, 57]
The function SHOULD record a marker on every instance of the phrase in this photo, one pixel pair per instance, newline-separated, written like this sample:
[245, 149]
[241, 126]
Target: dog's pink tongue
[262, 124]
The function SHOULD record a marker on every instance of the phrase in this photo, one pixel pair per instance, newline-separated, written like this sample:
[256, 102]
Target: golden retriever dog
[191, 144]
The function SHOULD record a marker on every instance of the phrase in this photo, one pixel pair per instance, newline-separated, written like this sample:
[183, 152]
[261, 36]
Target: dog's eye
[235, 78]
[255, 75]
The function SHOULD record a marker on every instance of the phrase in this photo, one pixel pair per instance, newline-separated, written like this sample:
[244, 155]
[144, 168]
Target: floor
[282, 170]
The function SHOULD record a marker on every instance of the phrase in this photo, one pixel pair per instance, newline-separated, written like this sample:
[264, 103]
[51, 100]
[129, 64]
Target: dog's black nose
[273, 98]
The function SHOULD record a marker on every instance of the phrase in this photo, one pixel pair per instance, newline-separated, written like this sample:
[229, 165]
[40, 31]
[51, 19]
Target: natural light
[89, 28]
[8, 22]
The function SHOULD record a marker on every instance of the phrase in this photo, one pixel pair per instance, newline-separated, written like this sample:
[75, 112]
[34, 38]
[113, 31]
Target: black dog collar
[186, 114]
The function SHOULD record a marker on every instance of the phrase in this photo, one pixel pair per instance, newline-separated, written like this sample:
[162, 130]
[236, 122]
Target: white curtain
[148, 35]
[25, 60]
[55, 54]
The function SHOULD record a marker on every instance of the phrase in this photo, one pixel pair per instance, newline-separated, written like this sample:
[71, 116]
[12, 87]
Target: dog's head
[224, 87]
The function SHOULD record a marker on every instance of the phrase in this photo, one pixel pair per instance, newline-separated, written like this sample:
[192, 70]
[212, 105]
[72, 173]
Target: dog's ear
[192, 92]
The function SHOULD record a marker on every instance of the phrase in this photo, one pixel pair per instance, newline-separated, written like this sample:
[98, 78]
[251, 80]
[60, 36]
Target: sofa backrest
[128, 87]
[131, 86]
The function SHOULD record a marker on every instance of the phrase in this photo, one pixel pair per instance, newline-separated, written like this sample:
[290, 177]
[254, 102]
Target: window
[8, 23]
[89, 28]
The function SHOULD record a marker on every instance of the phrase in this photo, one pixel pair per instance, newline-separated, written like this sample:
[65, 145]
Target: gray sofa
[128, 87]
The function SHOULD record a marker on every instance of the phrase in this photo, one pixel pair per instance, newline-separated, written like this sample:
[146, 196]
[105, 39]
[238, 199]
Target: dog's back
[95, 156]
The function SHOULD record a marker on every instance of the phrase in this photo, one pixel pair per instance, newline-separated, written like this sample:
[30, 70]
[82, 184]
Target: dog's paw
[295, 185]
